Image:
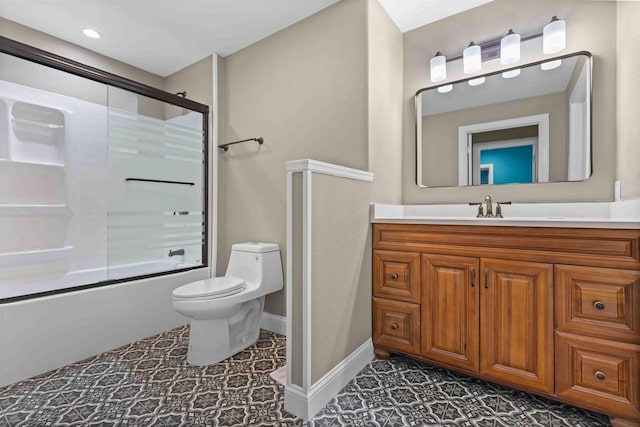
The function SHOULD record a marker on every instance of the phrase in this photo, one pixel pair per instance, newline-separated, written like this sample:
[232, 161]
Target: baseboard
[306, 404]
[274, 323]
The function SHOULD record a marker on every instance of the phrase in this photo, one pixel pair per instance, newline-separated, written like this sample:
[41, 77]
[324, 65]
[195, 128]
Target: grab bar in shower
[162, 181]
[225, 147]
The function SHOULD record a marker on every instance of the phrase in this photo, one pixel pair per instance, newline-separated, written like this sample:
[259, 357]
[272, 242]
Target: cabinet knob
[600, 375]
[394, 276]
[599, 305]
[394, 326]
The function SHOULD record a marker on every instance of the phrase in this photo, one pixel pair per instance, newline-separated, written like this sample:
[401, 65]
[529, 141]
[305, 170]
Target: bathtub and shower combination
[103, 197]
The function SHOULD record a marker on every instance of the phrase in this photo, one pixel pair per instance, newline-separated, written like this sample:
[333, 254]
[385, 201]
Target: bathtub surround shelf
[34, 257]
[549, 310]
[37, 133]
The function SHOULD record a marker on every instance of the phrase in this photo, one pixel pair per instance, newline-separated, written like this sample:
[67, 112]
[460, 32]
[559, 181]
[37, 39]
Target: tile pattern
[149, 383]
[402, 392]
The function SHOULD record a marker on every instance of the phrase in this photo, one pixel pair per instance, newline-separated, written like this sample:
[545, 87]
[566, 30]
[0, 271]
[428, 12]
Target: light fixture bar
[491, 49]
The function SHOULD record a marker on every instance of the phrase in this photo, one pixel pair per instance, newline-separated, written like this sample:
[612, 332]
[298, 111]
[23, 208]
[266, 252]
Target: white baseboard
[306, 404]
[274, 323]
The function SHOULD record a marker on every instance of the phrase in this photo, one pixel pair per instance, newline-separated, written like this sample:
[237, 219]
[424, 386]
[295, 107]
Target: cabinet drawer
[396, 275]
[600, 302]
[396, 325]
[600, 373]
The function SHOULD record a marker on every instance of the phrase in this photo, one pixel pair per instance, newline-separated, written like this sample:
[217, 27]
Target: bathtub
[45, 333]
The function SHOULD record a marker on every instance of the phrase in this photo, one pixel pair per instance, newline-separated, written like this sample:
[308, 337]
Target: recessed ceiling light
[91, 33]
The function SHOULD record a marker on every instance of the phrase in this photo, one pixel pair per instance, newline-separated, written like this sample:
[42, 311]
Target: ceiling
[410, 14]
[164, 36]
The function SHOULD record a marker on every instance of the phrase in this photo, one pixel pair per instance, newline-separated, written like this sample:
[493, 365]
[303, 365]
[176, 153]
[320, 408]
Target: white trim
[274, 323]
[307, 185]
[489, 168]
[214, 125]
[306, 405]
[542, 120]
[289, 277]
[579, 155]
[308, 165]
[419, 173]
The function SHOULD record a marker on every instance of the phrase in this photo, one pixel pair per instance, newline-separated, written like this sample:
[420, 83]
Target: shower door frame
[43, 57]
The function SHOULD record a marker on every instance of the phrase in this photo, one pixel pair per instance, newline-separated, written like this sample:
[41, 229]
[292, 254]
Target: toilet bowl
[225, 311]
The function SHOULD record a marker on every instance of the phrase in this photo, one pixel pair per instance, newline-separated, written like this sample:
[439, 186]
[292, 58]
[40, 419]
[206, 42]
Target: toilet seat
[216, 287]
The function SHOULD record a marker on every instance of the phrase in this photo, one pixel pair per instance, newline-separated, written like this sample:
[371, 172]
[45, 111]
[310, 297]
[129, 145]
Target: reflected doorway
[505, 162]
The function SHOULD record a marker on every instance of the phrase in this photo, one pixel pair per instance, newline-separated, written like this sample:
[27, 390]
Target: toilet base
[212, 341]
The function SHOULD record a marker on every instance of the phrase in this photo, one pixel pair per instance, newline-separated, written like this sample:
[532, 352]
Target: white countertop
[622, 215]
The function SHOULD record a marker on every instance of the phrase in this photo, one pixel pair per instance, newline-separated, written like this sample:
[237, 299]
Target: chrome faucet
[176, 252]
[488, 207]
[485, 209]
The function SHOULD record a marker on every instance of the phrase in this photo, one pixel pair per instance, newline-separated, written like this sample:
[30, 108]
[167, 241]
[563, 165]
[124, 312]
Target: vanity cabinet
[552, 311]
[489, 316]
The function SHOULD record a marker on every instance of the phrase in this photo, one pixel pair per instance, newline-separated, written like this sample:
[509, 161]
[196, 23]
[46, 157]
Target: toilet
[225, 311]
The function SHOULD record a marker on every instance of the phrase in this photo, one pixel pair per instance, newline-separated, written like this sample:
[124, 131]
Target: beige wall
[591, 26]
[628, 88]
[340, 270]
[385, 104]
[304, 89]
[196, 79]
[46, 42]
[440, 135]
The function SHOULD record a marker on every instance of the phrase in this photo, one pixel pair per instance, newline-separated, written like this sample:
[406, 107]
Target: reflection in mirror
[514, 128]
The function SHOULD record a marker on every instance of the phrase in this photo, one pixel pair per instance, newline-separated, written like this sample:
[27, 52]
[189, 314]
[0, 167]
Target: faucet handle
[499, 209]
[480, 212]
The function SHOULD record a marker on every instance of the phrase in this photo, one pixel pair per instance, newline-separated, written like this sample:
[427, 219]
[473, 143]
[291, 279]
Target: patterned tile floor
[148, 383]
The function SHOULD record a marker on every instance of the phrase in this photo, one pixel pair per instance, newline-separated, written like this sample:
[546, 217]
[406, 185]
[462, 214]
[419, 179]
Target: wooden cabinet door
[516, 323]
[450, 310]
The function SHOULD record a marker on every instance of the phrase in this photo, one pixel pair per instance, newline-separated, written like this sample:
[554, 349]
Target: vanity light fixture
[554, 40]
[438, 67]
[445, 88]
[476, 82]
[510, 48]
[472, 59]
[91, 33]
[554, 36]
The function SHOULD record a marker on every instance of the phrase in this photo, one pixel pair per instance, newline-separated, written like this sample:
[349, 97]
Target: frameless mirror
[530, 124]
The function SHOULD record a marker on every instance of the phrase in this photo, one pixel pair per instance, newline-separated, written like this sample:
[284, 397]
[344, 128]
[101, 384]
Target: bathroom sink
[585, 215]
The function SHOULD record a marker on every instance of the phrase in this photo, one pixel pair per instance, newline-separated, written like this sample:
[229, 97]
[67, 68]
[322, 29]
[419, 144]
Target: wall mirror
[528, 124]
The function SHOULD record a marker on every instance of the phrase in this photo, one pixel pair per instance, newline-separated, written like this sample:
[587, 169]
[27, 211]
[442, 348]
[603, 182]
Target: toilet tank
[257, 263]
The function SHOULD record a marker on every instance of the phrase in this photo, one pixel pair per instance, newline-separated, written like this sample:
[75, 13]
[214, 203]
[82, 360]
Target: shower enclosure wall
[102, 179]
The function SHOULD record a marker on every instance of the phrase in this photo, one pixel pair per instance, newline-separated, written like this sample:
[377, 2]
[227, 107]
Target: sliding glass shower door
[156, 186]
[98, 183]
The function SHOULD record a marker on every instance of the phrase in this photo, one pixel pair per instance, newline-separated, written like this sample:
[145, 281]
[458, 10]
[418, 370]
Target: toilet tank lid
[255, 247]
